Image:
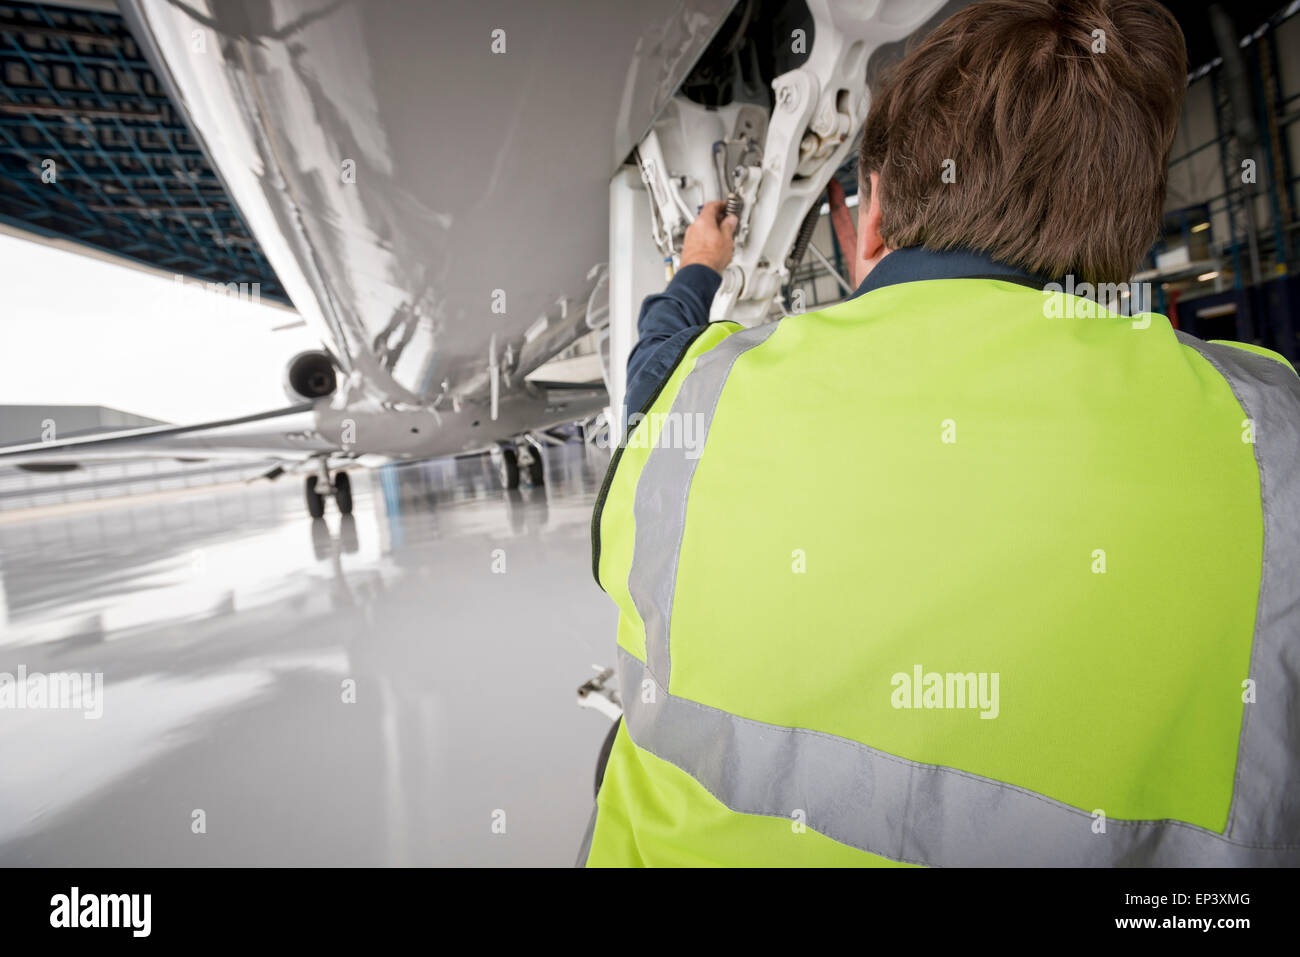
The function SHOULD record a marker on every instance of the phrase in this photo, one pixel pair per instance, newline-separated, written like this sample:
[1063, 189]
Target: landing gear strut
[319, 485]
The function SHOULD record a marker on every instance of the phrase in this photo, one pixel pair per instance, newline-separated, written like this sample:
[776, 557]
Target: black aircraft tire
[343, 493]
[315, 501]
[508, 469]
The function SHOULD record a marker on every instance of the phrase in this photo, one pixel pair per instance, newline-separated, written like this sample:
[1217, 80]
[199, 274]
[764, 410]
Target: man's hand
[709, 240]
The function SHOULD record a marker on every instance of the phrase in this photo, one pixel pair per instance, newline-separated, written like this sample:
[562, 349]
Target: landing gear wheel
[315, 500]
[343, 493]
[536, 466]
[508, 468]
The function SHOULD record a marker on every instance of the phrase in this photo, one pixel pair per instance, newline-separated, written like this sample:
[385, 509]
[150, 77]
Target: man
[969, 570]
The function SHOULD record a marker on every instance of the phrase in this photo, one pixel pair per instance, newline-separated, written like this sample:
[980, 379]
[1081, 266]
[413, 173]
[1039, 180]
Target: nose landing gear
[316, 487]
[512, 461]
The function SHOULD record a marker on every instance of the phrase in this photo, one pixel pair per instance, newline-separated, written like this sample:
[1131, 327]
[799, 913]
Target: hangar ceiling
[93, 151]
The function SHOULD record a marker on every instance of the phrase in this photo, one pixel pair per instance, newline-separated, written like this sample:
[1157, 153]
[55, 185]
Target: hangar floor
[228, 627]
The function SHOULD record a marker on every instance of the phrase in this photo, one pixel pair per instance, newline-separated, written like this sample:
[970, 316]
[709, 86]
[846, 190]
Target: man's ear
[871, 245]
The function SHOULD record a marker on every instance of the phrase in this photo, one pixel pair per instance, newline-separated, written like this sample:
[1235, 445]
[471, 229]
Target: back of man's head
[1036, 131]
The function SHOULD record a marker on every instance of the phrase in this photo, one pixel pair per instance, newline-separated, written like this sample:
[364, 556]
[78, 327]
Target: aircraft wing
[430, 181]
[286, 434]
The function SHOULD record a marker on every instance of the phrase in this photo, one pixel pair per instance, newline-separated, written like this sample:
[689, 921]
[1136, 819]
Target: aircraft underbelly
[427, 179]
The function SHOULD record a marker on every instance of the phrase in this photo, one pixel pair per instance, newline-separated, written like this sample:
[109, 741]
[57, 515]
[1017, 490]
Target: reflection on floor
[395, 687]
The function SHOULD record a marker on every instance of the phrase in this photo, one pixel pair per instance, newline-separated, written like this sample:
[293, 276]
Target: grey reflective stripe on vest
[927, 814]
[1266, 795]
[664, 487]
[899, 809]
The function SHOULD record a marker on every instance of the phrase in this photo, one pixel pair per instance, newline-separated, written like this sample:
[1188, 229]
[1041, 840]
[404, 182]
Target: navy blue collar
[916, 263]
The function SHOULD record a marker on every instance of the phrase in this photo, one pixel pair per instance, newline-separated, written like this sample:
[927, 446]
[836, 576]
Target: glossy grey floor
[232, 631]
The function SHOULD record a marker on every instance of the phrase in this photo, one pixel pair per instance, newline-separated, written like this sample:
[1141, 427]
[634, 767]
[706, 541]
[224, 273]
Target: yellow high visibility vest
[957, 572]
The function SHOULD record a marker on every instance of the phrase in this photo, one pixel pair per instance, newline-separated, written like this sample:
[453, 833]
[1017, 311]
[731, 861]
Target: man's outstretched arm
[669, 320]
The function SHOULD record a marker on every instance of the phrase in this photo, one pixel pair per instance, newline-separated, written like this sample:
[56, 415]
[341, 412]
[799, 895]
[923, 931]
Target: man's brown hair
[1057, 152]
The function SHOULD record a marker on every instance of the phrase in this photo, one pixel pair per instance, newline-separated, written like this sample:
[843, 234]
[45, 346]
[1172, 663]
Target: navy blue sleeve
[666, 325]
